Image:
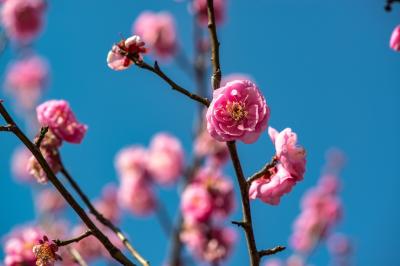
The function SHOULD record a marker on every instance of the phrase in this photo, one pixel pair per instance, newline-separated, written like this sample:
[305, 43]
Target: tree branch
[73, 240]
[271, 251]
[264, 171]
[212, 27]
[389, 3]
[113, 250]
[42, 134]
[101, 218]
[157, 70]
[7, 128]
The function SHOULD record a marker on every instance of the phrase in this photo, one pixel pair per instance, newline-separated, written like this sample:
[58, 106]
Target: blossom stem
[264, 171]
[73, 240]
[271, 251]
[157, 70]
[7, 128]
[212, 27]
[113, 250]
[101, 217]
[42, 134]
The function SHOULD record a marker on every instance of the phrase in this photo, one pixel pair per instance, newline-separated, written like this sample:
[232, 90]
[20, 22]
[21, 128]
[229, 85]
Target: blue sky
[324, 67]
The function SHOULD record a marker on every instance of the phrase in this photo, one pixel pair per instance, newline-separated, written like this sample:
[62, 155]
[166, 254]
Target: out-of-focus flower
[18, 246]
[165, 159]
[19, 164]
[273, 262]
[58, 116]
[22, 19]
[131, 159]
[26, 78]
[136, 196]
[238, 111]
[50, 201]
[196, 203]
[121, 54]
[49, 149]
[199, 7]
[289, 154]
[45, 252]
[216, 152]
[339, 244]
[395, 39]
[108, 204]
[158, 31]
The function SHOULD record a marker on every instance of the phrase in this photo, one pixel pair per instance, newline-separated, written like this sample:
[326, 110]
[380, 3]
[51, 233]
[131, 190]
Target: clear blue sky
[324, 67]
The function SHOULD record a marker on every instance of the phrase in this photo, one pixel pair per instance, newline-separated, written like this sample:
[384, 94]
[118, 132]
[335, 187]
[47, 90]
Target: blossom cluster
[139, 168]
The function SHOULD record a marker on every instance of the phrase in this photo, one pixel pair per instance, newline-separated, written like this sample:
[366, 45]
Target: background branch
[73, 240]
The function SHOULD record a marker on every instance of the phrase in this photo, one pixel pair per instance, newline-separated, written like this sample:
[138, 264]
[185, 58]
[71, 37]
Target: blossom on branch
[19, 162]
[199, 8]
[125, 53]
[158, 31]
[395, 39]
[238, 111]
[45, 252]
[22, 19]
[58, 116]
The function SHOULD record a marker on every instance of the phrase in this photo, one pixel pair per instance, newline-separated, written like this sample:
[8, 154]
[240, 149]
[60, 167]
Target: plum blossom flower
[58, 116]
[289, 154]
[45, 252]
[196, 203]
[199, 7]
[238, 111]
[121, 55]
[395, 39]
[18, 246]
[50, 201]
[235, 76]
[108, 203]
[131, 159]
[158, 31]
[50, 151]
[216, 152]
[165, 159]
[22, 19]
[19, 163]
[137, 196]
[26, 79]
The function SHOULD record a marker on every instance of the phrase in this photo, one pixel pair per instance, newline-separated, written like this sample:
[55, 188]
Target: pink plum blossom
[19, 164]
[270, 190]
[137, 196]
[121, 54]
[58, 116]
[199, 7]
[158, 31]
[196, 203]
[108, 203]
[26, 78]
[274, 262]
[45, 252]
[395, 39]
[131, 159]
[50, 201]
[235, 76]
[22, 19]
[18, 246]
[289, 154]
[238, 111]
[165, 159]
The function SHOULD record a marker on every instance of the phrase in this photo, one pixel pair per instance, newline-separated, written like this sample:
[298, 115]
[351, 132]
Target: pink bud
[395, 39]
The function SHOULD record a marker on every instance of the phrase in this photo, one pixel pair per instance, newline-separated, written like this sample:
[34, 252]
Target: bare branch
[212, 27]
[42, 134]
[7, 128]
[264, 171]
[271, 251]
[73, 240]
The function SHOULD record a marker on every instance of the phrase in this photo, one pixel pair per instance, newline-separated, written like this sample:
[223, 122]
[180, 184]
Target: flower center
[236, 110]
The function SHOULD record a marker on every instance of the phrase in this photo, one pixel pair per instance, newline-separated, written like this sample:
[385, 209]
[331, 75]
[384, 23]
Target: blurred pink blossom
[58, 116]
[199, 7]
[19, 164]
[26, 79]
[108, 203]
[196, 203]
[238, 111]
[215, 151]
[158, 31]
[165, 159]
[395, 39]
[339, 244]
[121, 55]
[23, 19]
[137, 196]
[131, 159]
[18, 246]
[274, 262]
[50, 201]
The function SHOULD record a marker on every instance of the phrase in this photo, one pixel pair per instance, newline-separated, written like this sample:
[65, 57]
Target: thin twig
[271, 251]
[77, 256]
[42, 134]
[61, 243]
[212, 27]
[389, 3]
[7, 128]
[264, 171]
[101, 217]
[157, 70]
[113, 250]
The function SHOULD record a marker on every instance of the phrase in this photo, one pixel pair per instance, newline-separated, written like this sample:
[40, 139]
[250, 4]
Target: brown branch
[113, 250]
[389, 3]
[271, 251]
[42, 134]
[157, 70]
[264, 171]
[72, 240]
[212, 27]
[7, 128]
[246, 224]
[101, 218]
